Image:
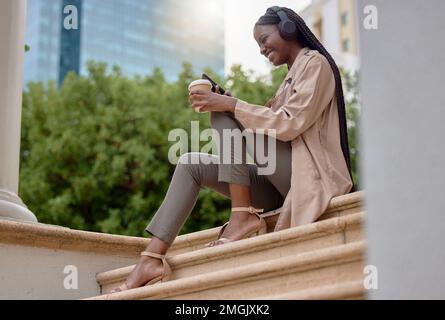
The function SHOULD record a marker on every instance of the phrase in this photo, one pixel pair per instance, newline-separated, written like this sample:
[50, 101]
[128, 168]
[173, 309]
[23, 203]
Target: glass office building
[136, 35]
[43, 37]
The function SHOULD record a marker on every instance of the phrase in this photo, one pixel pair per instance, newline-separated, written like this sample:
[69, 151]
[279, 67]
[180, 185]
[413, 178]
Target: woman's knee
[185, 159]
[196, 158]
[195, 164]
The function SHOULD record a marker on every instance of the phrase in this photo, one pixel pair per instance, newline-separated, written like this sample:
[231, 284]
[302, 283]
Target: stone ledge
[247, 247]
[313, 260]
[57, 237]
[339, 291]
[346, 200]
[61, 238]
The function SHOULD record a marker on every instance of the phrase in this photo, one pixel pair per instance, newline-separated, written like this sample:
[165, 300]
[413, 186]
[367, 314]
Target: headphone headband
[287, 27]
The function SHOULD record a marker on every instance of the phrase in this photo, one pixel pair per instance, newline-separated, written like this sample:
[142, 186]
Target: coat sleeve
[309, 98]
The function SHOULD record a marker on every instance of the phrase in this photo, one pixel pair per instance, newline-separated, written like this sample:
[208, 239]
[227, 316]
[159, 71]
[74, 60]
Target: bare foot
[240, 224]
[145, 270]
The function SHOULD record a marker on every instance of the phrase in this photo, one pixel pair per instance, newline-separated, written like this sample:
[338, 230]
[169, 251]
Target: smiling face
[272, 46]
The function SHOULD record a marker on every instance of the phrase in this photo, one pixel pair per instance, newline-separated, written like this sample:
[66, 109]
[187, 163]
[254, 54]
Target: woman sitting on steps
[312, 152]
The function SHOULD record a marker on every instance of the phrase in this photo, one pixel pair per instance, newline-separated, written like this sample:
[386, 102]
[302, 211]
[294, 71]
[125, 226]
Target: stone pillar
[403, 103]
[12, 43]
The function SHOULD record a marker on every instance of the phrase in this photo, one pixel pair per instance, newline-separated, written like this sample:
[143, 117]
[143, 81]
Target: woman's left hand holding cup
[204, 100]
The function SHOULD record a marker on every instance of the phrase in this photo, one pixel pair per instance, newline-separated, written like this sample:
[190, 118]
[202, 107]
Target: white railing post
[12, 43]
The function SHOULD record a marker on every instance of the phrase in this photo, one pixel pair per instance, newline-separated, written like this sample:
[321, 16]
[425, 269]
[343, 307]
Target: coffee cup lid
[200, 82]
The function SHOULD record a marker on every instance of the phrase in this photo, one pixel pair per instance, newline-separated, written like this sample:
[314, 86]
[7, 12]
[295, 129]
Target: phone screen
[214, 84]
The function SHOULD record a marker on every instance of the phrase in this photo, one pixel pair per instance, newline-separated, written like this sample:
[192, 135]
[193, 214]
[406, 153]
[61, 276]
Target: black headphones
[287, 27]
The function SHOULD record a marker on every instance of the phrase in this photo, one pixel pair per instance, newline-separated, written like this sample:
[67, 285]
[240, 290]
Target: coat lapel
[284, 91]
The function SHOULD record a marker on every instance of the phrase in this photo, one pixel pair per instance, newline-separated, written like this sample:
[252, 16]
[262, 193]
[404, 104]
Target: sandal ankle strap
[248, 209]
[165, 265]
[152, 254]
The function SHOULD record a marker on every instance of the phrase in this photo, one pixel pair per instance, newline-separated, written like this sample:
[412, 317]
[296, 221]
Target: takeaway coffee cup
[200, 84]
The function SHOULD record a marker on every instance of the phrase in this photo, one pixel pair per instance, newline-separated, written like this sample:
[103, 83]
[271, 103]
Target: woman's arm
[308, 100]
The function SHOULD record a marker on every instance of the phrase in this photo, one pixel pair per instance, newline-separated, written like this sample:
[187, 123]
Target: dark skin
[282, 52]
[270, 41]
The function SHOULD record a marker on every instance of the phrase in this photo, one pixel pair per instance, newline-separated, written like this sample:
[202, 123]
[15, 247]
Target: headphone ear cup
[285, 34]
[289, 27]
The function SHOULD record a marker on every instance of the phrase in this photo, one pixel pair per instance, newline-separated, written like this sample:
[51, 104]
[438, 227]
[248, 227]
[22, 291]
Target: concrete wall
[403, 164]
[39, 273]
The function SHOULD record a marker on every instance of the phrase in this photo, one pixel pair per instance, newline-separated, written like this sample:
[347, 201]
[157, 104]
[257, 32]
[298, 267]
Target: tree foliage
[94, 151]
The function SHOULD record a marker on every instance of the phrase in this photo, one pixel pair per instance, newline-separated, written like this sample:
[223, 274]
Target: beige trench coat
[304, 111]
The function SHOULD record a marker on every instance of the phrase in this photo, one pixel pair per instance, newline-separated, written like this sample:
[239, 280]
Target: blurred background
[138, 35]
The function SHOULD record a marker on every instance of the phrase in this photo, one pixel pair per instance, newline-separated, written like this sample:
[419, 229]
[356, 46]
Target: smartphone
[214, 84]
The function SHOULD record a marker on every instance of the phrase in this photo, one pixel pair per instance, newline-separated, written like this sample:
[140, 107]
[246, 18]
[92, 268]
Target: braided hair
[306, 38]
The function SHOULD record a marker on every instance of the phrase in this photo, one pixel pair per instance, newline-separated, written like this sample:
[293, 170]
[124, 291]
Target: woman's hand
[226, 92]
[213, 102]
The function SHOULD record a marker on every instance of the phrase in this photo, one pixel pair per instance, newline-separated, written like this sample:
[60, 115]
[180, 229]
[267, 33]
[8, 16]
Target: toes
[215, 243]
[212, 243]
[120, 289]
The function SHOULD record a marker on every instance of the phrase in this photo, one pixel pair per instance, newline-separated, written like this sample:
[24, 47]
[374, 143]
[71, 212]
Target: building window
[344, 19]
[318, 30]
[345, 45]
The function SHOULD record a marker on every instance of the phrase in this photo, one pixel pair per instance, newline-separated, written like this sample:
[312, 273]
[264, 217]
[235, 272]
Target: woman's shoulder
[316, 57]
[317, 64]
[312, 66]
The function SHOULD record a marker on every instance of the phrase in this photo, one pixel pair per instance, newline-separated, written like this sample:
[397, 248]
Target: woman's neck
[293, 55]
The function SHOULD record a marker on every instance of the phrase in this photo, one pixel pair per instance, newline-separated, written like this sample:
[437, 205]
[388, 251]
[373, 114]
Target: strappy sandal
[262, 229]
[165, 276]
